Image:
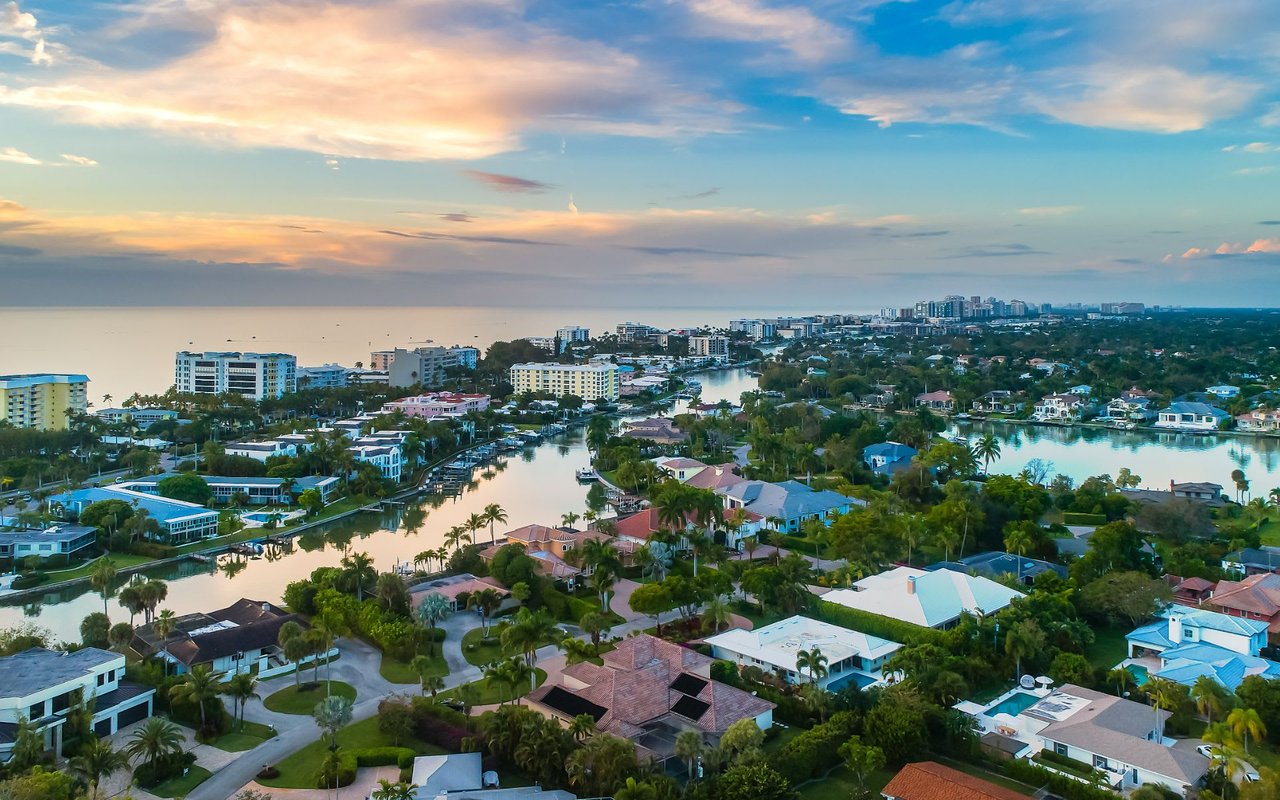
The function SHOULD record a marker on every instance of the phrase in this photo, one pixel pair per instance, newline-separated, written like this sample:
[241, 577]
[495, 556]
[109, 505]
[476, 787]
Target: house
[1119, 737]
[258, 490]
[180, 521]
[1254, 597]
[929, 780]
[1000, 401]
[553, 548]
[1190, 591]
[790, 503]
[852, 657]
[994, 564]
[649, 690]
[888, 458]
[636, 529]
[261, 451]
[463, 775]
[1223, 392]
[659, 430]
[882, 395]
[243, 637]
[940, 401]
[1060, 408]
[716, 477]
[1191, 642]
[1259, 420]
[1184, 416]
[1081, 390]
[928, 599]
[42, 686]
[1252, 560]
[1133, 404]
[456, 589]
[1196, 490]
[59, 539]
[682, 469]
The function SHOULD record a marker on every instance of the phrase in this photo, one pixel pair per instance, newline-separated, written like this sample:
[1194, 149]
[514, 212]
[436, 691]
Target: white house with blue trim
[1191, 642]
[928, 599]
[851, 656]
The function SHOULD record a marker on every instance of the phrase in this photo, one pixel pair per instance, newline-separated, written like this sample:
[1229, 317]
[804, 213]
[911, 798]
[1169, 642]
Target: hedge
[439, 725]
[876, 625]
[816, 750]
[29, 580]
[1080, 518]
[1061, 785]
[384, 757]
[150, 775]
[346, 772]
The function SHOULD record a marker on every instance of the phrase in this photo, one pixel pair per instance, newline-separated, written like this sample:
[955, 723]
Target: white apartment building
[143, 417]
[571, 334]
[253, 375]
[326, 376]
[591, 382]
[716, 347]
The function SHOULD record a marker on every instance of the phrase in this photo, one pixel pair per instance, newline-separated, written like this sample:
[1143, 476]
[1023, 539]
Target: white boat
[587, 475]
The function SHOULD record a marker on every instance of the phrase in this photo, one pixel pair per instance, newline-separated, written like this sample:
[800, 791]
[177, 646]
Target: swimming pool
[862, 681]
[1139, 673]
[261, 516]
[1013, 705]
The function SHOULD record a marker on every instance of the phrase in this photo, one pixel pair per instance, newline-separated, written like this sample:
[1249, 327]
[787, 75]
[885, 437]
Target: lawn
[1108, 649]
[488, 693]
[298, 770]
[181, 787]
[121, 560]
[303, 699]
[397, 671]
[839, 784]
[479, 653]
[238, 740]
[1269, 532]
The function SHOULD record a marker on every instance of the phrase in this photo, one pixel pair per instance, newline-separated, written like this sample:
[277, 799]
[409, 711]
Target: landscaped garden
[244, 736]
[302, 699]
[298, 771]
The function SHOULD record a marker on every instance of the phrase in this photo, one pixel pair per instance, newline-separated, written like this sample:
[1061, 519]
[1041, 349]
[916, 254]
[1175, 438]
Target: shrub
[383, 757]
[338, 769]
[153, 549]
[876, 625]
[268, 773]
[29, 580]
[439, 725]
[1061, 785]
[815, 750]
[725, 672]
[1079, 518]
[150, 775]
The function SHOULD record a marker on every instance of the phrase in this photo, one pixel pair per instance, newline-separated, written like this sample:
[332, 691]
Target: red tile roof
[928, 780]
[1256, 594]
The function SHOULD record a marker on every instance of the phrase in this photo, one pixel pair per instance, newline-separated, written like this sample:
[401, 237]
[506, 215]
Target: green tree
[198, 687]
[187, 487]
[156, 739]
[242, 688]
[493, 514]
[1211, 698]
[1024, 640]
[101, 578]
[986, 450]
[94, 629]
[1245, 723]
[28, 746]
[331, 715]
[432, 608]
[754, 781]
[636, 790]
[742, 740]
[1130, 597]
[862, 761]
[688, 747]
[311, 501]
[97, 760]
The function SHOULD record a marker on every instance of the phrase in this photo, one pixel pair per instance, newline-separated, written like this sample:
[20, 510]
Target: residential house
[881, 395]
[1060, 408]
[715, 477]
[682, 469]
[243, 637]
[1190, 591]
[261, 451]
[463, 775]
[1000, 401]
[929, 780]
[940, 401]
[42, 686]
[1223, 391]
[1133, 405]
[1186, 644]
[553, 548]
[180, 521]
[1184, 416]
[888, 458]
[928, 599]
[1252, 560]
[659, 430]
[258, 490]
[1259, 420]
[789, 503]
[852, 657]
[437, 404]
[995, 564]
[1081, 390]
[58, 539]
[1253, 597]
[456, 589]
[649, 690]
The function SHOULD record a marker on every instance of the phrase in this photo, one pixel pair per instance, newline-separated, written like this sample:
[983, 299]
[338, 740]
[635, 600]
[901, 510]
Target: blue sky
[841, 154]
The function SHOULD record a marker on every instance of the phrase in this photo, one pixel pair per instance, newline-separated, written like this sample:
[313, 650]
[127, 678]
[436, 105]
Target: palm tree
[1165, 694]
[1024, 639]
[104, 572]
[358, 568]
[241, 689]
[332, 714]
[130, 596]
[1245, 722]
[1122, 679]
[487, 601]
[716, 613]
[688, 748]
[527, 633]
[636, 790]
[155, 740]
[120, 636]
[1016, 540]
[198, 686]
[568, 520]
[165, 624]
[813, 661]
[474, 523]
[582, 726]
[1210, 697]
[97, 760]
[432, 609]
[494, 513]
[393, 791]
[987, 449]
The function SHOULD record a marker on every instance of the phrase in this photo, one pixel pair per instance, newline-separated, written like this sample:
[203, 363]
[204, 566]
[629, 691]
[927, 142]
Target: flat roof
[778, 644]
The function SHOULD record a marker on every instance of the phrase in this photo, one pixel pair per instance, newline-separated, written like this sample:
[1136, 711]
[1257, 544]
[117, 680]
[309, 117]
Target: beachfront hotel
[591, 382]
[253, 375]
[41, 400]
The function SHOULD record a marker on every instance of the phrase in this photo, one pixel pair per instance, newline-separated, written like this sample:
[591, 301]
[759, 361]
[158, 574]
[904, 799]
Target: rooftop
[928, 780]
[778, 644]
[924, 598]
[23, 674]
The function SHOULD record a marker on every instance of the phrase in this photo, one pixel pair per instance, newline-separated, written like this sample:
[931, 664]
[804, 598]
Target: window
[1100, 762]
[36, 711]
[1060, 748]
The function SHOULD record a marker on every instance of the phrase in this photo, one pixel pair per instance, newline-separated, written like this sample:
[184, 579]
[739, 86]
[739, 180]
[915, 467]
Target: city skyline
[707, 152]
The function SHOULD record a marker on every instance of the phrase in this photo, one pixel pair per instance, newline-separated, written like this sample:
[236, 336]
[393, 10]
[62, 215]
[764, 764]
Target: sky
[683, 153]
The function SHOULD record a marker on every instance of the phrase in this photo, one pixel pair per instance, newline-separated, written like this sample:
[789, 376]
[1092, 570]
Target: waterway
[538, 486]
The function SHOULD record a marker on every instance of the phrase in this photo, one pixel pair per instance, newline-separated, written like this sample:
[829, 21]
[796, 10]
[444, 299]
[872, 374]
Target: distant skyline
[704, 153]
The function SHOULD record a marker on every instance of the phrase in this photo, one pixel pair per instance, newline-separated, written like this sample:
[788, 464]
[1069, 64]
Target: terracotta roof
[929, 780]
[640, 525]
[1257, 594]
[715, 478]
[1195, 585]
[451, 589]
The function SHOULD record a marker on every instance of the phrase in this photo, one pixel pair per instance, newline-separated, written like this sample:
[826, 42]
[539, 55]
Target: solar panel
[571, 704]
[688, 684]
[690, 708]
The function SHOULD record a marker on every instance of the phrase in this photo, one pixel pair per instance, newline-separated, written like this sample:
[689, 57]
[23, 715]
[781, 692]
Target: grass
[237, 741]
[302, 699]
[478, 653]
[839, 784]
[397, 671]
[332, 510]
[121, 560]
[298, 770]
[1108, 649]
[182, 786]
[1269, 531]
[488, 693]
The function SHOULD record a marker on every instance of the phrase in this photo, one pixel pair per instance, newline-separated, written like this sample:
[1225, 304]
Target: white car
[1245, 771]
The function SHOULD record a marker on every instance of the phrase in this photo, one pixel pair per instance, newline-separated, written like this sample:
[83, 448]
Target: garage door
[103, 728]
[132, 715]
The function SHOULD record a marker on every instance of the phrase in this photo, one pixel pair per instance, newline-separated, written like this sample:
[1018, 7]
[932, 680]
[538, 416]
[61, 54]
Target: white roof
[938, 597]
[777, 644]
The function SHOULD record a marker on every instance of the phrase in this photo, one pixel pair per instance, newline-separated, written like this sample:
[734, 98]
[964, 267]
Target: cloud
[507, 183]
[572, 207]
[16, 250]
[695, 251]
[705, 193]
[796, 29]
[1048, 211]
[996, 251]
[449, 237]
[1266, 170]
[1253, 147]
[10, 206]
[1234, 249]
[332, 163]
[16, 24]
[79, 161]
[456, 216]
[1269, 222]
[388, 79]
[13, 155]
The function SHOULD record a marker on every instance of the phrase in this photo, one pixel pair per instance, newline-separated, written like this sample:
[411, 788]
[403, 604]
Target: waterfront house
[940, 401]
[995, 564]
[1000, 401]
[58, 539]
[456, 589]
[437, 404]
[659, 430]
[888, 458]
[682, 469]
[929, 780]
[261, 451]
[789, 503]
[881, 395]
[851, 656]
[1259, 420]
[388, 458]
[456, 775]
[1082, 390]
[1133, 404]
[1223, 391]
[1184, 416]
[243, 637]
[180, 521]
[928, 599]
[554, 549]
[42, 686]
[142, 417]
[1188, 643]
[1253, 597]
[259, 490]
[715, 477]
[1060, 408]
[650, 690]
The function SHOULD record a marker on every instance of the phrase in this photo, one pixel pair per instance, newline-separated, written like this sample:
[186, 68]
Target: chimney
[1171, 486]
[911, 584]
[1175, 629]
